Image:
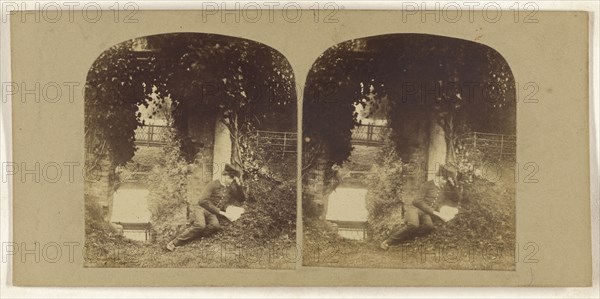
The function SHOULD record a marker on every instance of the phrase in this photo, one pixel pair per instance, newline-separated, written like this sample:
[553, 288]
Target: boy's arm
[455, 193]
[206, 199]
[459, 193]
[420, 203]
[209, 206]
[429, 210]
[241, 189]
[423, 206]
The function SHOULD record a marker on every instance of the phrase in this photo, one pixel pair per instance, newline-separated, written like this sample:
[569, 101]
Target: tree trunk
[223, 147]
[450, 136]
[437, 152]
[441, 142]
[234, 128]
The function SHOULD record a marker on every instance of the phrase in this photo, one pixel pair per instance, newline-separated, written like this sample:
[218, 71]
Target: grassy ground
[235, 246]
[198, 254]
[105, 248]
[423, 253]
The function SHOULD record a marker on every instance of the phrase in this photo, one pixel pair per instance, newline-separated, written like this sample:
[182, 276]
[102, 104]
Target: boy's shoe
[171, 246]
[385, 245]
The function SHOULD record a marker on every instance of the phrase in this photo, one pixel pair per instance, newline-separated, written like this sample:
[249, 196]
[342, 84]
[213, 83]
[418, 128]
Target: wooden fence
[370, 135]
[156, 135]
[493, 146]
[279, 142]
[151, 135]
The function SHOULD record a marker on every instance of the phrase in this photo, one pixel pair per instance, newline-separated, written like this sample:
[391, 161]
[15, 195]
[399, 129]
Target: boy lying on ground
[204, 220]
[439, 192]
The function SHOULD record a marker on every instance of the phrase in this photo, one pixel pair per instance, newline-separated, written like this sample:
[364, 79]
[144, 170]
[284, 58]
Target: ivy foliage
[250, 84]
[114, 89]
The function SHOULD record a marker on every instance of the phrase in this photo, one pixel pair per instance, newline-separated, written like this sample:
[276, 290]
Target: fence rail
[495, 146]
[369, 134]
[151, 135]
[156, 135]
[281, 142]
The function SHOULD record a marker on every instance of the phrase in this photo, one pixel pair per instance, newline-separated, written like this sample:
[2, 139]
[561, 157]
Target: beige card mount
[349, 148]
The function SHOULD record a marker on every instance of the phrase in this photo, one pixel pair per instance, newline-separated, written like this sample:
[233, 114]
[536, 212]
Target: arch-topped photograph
[409, 142]
[190, 143]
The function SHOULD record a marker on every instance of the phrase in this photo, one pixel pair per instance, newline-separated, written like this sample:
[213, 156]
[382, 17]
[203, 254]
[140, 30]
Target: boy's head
[448, 173]
[230, 173]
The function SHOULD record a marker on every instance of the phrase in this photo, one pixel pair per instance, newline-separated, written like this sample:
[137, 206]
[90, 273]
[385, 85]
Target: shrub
[94, 217]
[487, 214]
[270, 213]
[384, 198]
[310, 209]
[468, 159]
[168, 191]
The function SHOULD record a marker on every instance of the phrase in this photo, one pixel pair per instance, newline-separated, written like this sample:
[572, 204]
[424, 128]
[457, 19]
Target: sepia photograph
[409, 151]
[296, 146]
[190, 146]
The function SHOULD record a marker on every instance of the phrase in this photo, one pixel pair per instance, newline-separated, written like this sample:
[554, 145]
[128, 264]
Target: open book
[233, 213]
[447, 213]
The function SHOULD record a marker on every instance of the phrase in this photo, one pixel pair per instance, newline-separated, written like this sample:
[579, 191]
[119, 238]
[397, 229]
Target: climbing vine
[249, 84]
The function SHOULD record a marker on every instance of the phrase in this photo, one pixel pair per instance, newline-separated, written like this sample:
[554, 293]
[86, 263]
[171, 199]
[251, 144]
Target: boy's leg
[426, 223]
[198, 226]
[406, 231]
[212, 223]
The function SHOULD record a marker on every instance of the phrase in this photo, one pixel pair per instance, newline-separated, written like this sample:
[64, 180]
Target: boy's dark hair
[231, 171]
